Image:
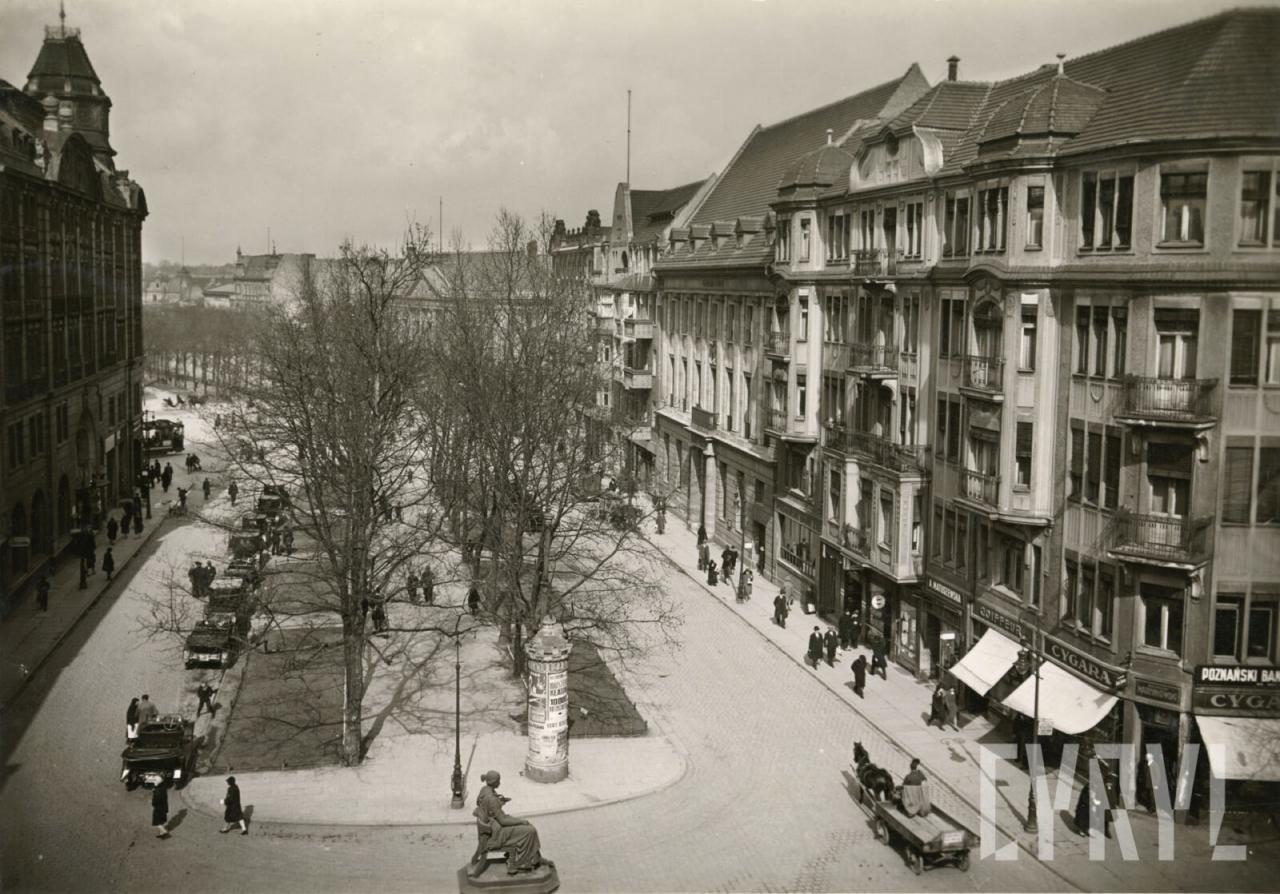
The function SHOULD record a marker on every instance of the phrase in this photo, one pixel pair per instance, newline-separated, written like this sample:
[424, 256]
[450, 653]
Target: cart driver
[915, 791]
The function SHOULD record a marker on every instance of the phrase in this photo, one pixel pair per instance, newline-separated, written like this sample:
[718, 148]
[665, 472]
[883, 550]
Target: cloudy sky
[320, 119]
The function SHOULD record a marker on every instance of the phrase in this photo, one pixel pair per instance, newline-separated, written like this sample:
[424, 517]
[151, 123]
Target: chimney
[1061, 56]
[953, 68]
[830, 135]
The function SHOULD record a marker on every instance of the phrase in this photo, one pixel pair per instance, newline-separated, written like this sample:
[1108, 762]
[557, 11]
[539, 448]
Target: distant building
[70, 311]
[580, 251]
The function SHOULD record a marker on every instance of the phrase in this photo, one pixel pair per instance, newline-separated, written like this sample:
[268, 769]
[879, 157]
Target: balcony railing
[980, 488]
[1168, 400]
[796, 561]
[704, 419]
[874, 357]
[778, 344]
[875, 262]
[1165, 538]
[883, 452]
[835, 356]
[776, 420]
[984, 373]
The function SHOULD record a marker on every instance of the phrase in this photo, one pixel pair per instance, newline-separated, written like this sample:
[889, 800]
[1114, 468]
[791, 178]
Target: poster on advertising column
[548, 703]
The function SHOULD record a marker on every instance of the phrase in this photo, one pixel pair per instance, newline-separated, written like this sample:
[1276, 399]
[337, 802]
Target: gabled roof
[653, 209]
[750, 182]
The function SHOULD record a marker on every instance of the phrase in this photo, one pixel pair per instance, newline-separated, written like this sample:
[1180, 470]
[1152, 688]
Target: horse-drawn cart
[931, 840]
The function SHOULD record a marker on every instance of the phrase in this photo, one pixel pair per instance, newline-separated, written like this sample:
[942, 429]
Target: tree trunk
[517, 650]
[352, 690]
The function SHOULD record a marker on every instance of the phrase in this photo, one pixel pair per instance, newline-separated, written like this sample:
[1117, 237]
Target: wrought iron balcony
[984, 374]
[883, 452]
[835, 356]
[874, 358]
[776, 420]
[875, 262]
[796, 561]
[778, 344]
[1174, 401]
[1161, 538]
[703, 419]
[979, 488]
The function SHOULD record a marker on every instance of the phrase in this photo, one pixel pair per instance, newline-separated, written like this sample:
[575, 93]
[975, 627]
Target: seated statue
[498, 831]
[915, 791]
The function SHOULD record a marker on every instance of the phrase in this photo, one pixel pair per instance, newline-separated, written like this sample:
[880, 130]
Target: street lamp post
[459, 798]
[1034, 658]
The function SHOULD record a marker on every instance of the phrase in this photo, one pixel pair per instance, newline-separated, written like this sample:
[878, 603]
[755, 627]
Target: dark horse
[876, 780]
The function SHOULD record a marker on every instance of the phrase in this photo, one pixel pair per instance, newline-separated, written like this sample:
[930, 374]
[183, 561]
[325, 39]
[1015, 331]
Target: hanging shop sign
[877, 601]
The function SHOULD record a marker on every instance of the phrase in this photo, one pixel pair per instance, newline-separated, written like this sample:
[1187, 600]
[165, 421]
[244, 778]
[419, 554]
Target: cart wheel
[963, 862]
[882, 831]
[916, 859]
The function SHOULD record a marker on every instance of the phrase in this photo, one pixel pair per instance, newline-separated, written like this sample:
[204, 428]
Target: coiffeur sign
[1239, 691]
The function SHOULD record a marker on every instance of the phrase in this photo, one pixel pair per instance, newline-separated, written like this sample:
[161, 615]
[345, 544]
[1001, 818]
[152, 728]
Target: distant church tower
[63, 72]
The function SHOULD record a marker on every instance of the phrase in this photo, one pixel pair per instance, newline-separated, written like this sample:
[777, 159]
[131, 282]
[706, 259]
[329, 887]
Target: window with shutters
[1111, 462]
[1075, 478]
[936, 533]
[1268, 511]
[1093, 468]
[1237, 482]
[962, 540]
[1022, 454]
[1169, 478]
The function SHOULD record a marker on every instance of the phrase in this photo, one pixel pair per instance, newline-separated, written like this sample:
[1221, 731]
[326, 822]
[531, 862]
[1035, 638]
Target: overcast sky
[320, 119]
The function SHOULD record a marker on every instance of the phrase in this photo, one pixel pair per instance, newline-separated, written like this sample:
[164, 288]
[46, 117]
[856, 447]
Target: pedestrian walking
[661, 515]
[702, 534]
[160, 809]
[855, 628]
[166, 477]
[379, 617]
[878, 660]
[726, 561]
[206, 488]
[204, 692]
[473, 601]
[712, 577]
[108, 564]
[704, 556]
[288, 541]
[815, 648]
[131, 721]
[137, 524]
[938, 706]
[859, 668]
[232, 812]
[42, 592]
[744, 585]
[113, 528]
[232, 490]
[734, 555]
[147, 712]
[829, 642]
[950, 710]
[428, 586]
[780, 610]
[412, 586]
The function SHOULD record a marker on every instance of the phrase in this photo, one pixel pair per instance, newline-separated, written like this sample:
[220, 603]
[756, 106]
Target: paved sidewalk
[899, 707]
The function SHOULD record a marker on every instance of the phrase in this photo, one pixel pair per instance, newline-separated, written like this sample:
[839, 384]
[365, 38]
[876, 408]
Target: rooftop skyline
[324, 120]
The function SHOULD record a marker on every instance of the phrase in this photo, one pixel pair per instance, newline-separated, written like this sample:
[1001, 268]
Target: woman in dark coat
[712, 578]
[232, 813]
[113, 528]
[108, 563]
[160, 809]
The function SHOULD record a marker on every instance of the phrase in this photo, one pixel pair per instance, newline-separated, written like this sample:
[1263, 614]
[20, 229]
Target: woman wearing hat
[232, 815]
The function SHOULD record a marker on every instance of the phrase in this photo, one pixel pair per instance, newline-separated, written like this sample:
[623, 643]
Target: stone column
[548, 702]
[709, 490]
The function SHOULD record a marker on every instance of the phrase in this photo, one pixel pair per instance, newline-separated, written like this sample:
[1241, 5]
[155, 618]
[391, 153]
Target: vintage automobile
[270, 505]
[244, 569]
[164, 751]
[248, 547]
[212, 643]
[256, 521]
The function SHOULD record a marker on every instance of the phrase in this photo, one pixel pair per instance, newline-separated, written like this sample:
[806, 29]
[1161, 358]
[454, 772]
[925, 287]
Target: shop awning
[1243, 747]
[988, 661]
[1071, 704]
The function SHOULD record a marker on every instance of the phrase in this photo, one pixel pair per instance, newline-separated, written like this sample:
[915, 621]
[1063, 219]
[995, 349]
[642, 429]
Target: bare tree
[518, 373]
[329, 414]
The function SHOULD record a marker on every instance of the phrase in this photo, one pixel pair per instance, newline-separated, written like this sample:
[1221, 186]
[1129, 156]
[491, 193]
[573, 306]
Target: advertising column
[548, 682]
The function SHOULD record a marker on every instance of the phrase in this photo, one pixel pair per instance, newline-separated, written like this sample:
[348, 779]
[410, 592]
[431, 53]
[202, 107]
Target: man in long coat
[498, 831]
[815, 647]
[859, 668]
[780, 610]
[829, 640]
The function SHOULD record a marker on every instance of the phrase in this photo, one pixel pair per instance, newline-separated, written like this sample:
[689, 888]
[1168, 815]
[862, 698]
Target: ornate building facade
[70, 310]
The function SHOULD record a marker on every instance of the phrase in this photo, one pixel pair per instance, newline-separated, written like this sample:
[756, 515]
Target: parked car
[212, 643]
[164, 751]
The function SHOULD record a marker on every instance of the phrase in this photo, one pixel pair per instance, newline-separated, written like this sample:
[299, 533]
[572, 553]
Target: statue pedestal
[494, 878]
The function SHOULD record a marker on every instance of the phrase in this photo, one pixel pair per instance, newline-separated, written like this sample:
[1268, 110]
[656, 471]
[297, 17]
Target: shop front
[1237, 714]
[906, 629]
[942, 627]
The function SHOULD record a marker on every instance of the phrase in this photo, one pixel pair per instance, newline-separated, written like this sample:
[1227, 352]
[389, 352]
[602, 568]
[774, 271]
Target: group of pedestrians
[729, 558]
[423, 584]
[201, 576]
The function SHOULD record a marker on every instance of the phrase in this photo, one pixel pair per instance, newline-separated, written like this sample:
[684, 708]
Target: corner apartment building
[996, 365]
[70, 310]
